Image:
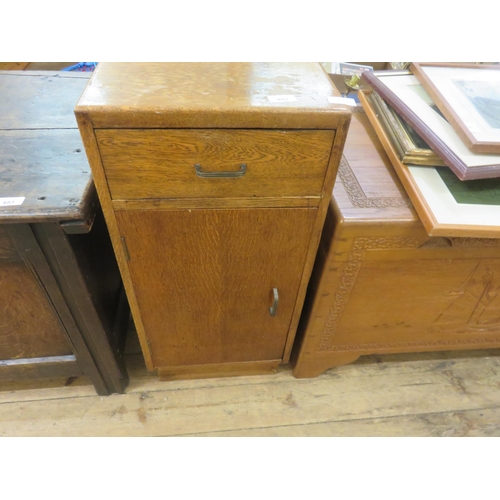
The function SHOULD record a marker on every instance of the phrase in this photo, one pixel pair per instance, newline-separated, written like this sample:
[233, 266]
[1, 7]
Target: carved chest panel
[381, 284]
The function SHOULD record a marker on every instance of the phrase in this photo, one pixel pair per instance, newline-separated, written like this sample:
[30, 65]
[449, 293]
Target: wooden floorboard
[430, 394]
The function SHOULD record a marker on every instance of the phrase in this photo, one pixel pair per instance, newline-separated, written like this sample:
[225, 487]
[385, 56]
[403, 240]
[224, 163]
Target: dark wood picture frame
[452, 110]
[486, 166]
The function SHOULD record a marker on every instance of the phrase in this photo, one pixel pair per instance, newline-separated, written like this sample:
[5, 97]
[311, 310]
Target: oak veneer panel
[219, 112]
[204, 278]
[210, 95]
[160, 163]
[28, 325]
[218, 370]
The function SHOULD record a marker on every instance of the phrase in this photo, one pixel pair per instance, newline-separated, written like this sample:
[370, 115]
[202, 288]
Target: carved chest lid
[367, 187]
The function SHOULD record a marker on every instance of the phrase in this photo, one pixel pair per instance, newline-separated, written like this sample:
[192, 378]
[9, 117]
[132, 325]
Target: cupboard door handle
[239, 173]
[272, 310]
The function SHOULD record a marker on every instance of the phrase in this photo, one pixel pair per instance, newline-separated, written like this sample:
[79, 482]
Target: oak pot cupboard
[214, 179]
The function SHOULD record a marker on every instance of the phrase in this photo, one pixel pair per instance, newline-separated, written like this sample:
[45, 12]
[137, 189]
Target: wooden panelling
[28, 325]
[204, 279]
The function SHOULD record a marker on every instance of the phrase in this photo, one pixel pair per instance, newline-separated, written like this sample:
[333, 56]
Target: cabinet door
[204, 280]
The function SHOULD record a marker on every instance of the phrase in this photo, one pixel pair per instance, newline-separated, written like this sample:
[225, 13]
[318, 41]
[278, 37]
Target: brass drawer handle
[240, 173]
[272, 310]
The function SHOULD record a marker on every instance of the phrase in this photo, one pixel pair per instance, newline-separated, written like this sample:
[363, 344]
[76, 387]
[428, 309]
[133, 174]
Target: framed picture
[468, 95]
[411, 148]
[404, 93]
[446, 206]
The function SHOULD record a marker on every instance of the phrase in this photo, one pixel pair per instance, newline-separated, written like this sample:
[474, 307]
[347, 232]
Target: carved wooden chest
[380, 284]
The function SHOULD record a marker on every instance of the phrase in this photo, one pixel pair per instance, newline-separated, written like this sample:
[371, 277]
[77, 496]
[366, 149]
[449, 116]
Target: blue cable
[81, 66]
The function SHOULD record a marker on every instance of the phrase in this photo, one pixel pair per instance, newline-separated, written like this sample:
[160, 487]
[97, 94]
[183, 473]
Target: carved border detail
[349, 275]
[430, 343]
[358, 197]
[475, 242]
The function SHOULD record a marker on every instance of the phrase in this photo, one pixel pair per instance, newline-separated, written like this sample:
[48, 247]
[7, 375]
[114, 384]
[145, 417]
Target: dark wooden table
[63, 312]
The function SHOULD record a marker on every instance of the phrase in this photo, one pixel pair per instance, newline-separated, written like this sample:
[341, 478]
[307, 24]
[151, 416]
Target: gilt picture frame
[410, 146]
[403, 92]
[468, 95]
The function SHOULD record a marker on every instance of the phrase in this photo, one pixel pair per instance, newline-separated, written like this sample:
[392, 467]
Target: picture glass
[477, 203]
[408, 89]
[474, 95]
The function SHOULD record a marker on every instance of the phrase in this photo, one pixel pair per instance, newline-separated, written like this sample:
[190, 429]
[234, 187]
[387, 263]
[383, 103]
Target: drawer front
[161, 163]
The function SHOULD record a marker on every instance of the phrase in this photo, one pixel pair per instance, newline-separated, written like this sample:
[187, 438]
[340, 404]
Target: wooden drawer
[160, 163]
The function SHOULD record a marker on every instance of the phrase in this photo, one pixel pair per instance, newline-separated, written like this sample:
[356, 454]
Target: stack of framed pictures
[440, 126]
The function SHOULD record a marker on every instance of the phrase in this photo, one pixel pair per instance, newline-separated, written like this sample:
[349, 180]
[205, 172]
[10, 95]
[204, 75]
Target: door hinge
[125, 249]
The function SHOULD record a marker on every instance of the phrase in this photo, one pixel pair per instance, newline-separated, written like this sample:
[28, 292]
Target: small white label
[472, 127]
[10, 202]
[342, 100]
[282, 98]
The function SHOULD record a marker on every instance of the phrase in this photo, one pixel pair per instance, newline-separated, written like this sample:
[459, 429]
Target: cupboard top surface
[44, 173]
[219, 95]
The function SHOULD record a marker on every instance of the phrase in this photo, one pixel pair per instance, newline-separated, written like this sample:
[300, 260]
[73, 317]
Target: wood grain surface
[218, 370]
[429, 394]
[28, 326]
[41, 154]
[160, 163]
[210, 95]
[7, 249]
[13, 66]
[49, 169]
[204, 279]
[39, 99]
[139, 170]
